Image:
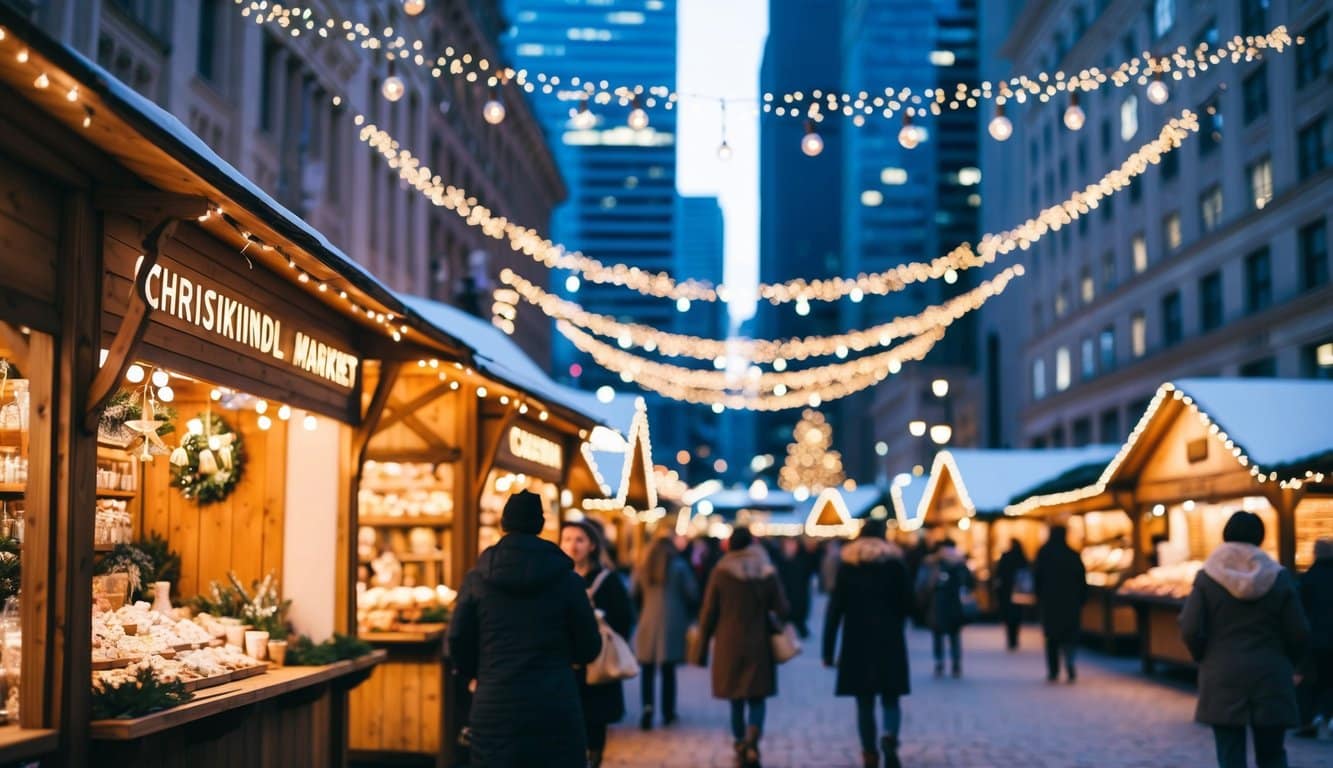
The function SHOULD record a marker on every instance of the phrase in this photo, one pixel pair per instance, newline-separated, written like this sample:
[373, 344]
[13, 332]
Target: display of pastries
[1169, 581]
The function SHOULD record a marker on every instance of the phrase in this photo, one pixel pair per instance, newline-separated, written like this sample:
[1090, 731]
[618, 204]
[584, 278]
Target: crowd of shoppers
[531, 617]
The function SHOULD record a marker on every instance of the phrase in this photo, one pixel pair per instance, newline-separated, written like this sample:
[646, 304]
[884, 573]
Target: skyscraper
[621, 207]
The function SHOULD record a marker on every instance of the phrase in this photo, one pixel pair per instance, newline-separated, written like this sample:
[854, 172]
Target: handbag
[786, 645]
[615, 661]
[696, 651]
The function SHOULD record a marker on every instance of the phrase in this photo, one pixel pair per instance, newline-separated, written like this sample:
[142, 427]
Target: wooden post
[1284, 502]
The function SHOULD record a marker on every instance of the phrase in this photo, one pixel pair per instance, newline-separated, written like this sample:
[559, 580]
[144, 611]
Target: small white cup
[236, 635]
[256, 644]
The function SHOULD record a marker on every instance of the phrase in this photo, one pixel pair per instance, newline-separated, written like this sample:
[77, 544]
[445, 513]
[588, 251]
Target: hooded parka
[871, 600]
[521, 623]
[741, 593]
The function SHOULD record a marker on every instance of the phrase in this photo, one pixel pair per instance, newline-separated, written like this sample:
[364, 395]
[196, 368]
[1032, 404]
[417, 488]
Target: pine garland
[143, 695]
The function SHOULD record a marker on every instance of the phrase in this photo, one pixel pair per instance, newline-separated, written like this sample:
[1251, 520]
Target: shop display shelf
[12, 489]
[429, 557]
[108, 493]
[382, 521]
[24, 743]
[405, 487]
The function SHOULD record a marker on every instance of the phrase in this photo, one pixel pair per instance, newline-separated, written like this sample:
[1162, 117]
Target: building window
[1087, 287]
[1106, 136]
[1138, 335]
[1312, 58]
[1263, 368]
[268, 73]
[1313, 239]
[1062, 300]
[1173, 327]
[1258, 280]
[1036, 316]
[1107, 207]
[1313, 147]
[1136, 189]
[1254, 94]
[1163, 17]
[1138, 248]
[1210, 125]
[1254, 17]
[1170, 166]
[1108, 271]
[1210, 301]
[1129, 117]
[1087, 358]
[1082, 432]
[1261, 182]
[1110, 427]
[1171, 235]
[1038, 379]
[1210, 208]
[209, 27]
[1106, 348]
[1317, 361]
[1062, 369]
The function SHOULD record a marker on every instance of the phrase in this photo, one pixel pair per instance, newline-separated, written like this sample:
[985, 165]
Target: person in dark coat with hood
[795, 568]
[871, 601]
[522, 621]
[1012, 566]
[1061, 584]
[1244, 624]
[1317, 598]
[940, 585]
[604, 703]
[742, 597]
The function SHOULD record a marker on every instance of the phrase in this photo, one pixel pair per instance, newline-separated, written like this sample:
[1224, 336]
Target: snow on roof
[730, 500]
[499, 356]
[1273, 421]
[987, 479]
[907, 502]
[859, 502]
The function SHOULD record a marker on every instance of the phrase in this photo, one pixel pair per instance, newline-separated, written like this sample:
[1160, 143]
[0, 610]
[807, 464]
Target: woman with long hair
[603, 704]
[741, 603]
[664, 586]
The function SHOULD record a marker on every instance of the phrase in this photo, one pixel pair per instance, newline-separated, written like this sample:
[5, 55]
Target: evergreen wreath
[126, 406]
[207, 466]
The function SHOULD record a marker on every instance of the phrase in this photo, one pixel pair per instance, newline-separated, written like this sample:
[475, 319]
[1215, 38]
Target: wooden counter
[1159, 630]
[25, 743]
[1107, 619]
[404, 712]
[287, 716]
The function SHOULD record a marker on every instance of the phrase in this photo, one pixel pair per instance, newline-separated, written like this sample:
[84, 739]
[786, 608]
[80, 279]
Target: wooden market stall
[222, 422]
[456, 437]
[630, 516]
[1204, 449]
[966, 493]
[1101, 531]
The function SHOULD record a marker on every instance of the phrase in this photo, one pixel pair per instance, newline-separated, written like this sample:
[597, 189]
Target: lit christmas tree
[811, 466]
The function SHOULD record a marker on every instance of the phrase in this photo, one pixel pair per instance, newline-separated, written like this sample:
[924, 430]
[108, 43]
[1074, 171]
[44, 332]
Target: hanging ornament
[147, 426]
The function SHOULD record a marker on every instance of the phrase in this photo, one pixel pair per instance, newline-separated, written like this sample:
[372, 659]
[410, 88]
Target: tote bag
[615, 661]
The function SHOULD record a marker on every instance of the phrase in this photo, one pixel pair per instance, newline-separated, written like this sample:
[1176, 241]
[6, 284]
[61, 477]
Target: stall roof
[859, 502]
[499, 356]
[729, 501]
[986, 479]
[1282, 427]
[1077, 477]
[907, 502]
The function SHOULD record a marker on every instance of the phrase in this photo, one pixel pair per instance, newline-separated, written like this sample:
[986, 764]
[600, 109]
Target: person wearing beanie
[742, 593]
[1243, 623]
[1317, 599]
[521, 623]
[871, 600]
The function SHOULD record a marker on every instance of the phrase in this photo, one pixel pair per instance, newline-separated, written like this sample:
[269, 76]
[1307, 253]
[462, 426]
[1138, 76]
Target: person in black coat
[603, 704]
[1007, 571]
[1244, 624]
[871, 600]
[1061, 584]
[795, 569]
[940, 585]
[521, 622]
[1317, 599]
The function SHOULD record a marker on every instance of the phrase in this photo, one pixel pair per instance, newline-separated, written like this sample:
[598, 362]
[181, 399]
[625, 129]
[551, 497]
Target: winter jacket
[940, 586]
[666, 614]
[1243, 623]
[795, 573]
[871, 600]
[1317, 598]
[521, 622]
[1006, 574]
[1061, 584]
[605, 703]
[741, 593]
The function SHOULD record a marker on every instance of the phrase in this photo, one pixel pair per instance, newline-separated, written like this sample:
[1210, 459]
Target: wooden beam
[150, 204]
[427, 435]
[372, 419]
[401, 411]
[447, 455]
[131, 331]
[491, 431]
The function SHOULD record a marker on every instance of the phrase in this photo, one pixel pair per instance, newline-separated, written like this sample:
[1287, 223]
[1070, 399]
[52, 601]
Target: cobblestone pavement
[1001, 713]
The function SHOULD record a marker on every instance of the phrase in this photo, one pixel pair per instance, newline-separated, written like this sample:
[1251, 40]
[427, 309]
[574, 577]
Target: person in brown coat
[742, 602]
[1244, 624]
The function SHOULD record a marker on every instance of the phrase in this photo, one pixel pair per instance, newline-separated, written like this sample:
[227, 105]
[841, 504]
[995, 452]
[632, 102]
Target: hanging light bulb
[811, 143]
[1001, 128]
[414, 7]
[285, 412]
[724, 151]
[583, 119]
[265, 422]
[392, 88]
[1074, 117]
[134, 374]
[1158, 93]
[494, 109]
[310, 423]
[909, 136]
[160, 378]
[261, 406]
[638, 118]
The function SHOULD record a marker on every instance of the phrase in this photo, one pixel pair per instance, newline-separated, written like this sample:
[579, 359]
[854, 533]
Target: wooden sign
[232, 322]
[533, 451]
